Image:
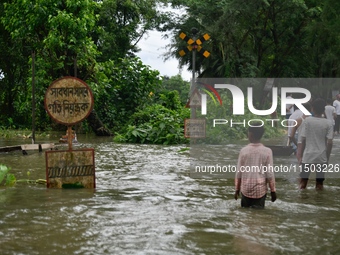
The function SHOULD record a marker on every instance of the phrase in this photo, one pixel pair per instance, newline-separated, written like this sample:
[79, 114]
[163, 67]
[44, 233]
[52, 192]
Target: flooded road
[147, 203]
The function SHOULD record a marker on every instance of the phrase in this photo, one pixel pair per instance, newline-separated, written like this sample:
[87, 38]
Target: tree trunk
[97, 126]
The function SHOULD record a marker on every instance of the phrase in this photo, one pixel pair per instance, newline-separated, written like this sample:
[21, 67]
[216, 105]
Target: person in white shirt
[294, 133]
[330, 113]
[336, 104]
[315, 143]
[292, 121]
[289, 107]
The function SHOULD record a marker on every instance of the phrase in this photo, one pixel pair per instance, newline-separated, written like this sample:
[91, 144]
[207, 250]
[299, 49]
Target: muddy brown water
[147, 203]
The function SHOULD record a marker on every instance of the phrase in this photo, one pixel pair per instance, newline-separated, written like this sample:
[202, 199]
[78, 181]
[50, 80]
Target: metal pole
[193, 82]
[75, 75]
[69, 137]
[193, 69]
[33, 97]
[75, 66]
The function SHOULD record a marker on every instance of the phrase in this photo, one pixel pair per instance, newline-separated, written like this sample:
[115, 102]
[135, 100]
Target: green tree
[123, 24]
[266, 38]
[122, 88]
[14, 92]
[177, 83]
[58, 34]
[159, 123]
[323, 38]
[78, 38]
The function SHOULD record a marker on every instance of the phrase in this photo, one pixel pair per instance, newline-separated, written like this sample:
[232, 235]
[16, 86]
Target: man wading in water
[315, 145]
[259, 159]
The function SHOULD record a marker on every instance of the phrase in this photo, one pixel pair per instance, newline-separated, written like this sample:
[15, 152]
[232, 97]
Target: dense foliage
[178, 84]
[263, 38]
[43, 40]
[155, 124]
[94, 41]
[122, 88]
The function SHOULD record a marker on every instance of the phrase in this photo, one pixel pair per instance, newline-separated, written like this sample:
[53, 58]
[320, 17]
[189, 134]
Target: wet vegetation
[96, 41]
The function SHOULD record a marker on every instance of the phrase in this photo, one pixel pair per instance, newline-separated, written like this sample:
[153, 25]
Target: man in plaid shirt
[255, 171]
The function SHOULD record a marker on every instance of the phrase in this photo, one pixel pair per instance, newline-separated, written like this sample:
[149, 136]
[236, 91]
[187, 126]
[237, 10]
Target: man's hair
[257, 130]
[329, 101]
[319, 106]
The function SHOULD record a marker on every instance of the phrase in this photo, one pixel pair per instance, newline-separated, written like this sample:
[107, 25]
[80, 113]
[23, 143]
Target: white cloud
[152, 51]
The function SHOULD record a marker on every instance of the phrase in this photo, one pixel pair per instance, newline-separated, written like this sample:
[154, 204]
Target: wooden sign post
[69, 101]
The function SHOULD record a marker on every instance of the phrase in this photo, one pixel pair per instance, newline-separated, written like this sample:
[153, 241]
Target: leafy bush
[177, 83]
[121, 88]
[10, 178]
[156, 123]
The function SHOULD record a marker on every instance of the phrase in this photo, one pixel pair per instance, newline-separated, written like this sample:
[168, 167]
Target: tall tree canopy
[58, 33]
[122, 24]
[263, 38]
[97, 41]
[77, 38]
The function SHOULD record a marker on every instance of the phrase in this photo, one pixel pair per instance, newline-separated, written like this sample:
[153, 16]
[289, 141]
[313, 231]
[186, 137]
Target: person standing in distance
[289, 107]
[336, 105]
[330, 112]
[293, 122]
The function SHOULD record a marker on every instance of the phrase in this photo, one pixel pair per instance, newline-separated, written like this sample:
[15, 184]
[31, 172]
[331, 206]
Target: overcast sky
[153, 48]
[152, 51]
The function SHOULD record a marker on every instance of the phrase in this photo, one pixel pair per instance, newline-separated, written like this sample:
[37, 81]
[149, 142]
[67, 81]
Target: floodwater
[146, 202]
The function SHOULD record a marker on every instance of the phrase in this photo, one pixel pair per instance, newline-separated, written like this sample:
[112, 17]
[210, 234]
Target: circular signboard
[68, 100]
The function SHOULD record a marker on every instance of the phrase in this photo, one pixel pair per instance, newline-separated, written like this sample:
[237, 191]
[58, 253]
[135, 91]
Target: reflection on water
[147, 203]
